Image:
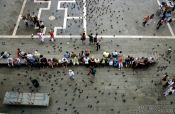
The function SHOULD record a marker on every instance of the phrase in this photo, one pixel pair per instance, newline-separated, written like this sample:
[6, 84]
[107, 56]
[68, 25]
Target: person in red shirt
[120, 62]
[52, 38]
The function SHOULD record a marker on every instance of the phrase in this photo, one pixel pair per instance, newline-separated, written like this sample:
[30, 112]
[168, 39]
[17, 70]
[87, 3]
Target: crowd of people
[115, 59]
[33, 21]
[168, 85]
[165, 14]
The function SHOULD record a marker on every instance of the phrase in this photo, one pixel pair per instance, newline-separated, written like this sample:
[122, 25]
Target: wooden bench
[31, 99]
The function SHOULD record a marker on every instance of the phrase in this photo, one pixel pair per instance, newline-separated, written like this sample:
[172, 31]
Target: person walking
[145, 20]
[150, 19]
[91, 39]
[160, 23]
[71, 74]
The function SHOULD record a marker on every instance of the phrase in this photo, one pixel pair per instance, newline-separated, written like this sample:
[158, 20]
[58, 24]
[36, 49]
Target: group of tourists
[33, 21]
[168, 85]
[114, 59]
[165, 14]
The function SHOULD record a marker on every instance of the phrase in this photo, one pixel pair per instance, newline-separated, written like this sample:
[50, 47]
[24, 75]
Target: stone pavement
[110, 92]
[105, 17]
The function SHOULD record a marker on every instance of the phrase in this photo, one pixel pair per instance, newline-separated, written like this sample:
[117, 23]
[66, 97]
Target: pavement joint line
[19, 18]
[65, 15]
[84, 16]
[79, 36]
[170, 29]
[41, 9]
[74, 17]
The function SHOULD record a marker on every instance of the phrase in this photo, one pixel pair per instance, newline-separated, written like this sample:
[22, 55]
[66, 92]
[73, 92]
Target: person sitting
[22, 54]
[67, 55]
[87, 52]
[29, 56]
[106, 55]
[30, 59]
[5, 55]
[115, 62]
[17, 61]
[36, 54]
[111, 61]
[73, 55]
[103, 61]
[97, 61]
[81, 56]
[92, 61]
[127, 62]
[131, 60]
[10, 62]
[86, 61]
[64, 62]
[50, 63]
[75, 60]
[43, 61]
[141, 61]
[55, 61]
[115, 54]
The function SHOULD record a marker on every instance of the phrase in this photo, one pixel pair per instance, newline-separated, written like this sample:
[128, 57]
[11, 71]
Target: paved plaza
[112, 91]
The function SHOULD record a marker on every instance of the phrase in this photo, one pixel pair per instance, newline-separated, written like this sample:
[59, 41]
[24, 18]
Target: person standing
[41, 36]
[95, 39]
[83, 38]
[98, 45]
[92, 71]
[52, 38]
[71, 74]
[91, 39]
[120, 62]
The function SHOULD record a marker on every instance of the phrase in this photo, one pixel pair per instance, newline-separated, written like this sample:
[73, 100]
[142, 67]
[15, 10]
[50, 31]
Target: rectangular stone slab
[32, 99]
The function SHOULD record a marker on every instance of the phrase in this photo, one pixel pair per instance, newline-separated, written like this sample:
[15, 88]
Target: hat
[70, 70]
